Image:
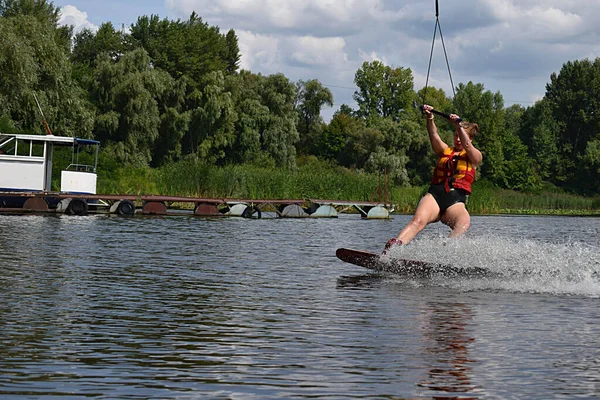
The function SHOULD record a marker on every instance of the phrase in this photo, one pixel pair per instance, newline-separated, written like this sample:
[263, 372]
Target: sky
[509, 46]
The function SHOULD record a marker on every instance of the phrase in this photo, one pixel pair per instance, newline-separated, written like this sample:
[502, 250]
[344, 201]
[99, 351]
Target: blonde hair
[471, 128]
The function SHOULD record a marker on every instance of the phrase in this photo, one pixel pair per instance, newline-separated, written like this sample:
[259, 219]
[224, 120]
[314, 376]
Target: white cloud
[317, 17]
[537, 21]
[258, 52]
[70, 15]
[321, 52]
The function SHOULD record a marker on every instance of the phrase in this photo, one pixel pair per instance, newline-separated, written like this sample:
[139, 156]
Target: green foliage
[231, 52]
[43, 11]
[573, 97]
[265, 128]
[311, 97]
[313, 179]
[6, 125]
[504, 155]
[436, 98]
[88, 46]
[191, 48]
[212, 118]
[383, 91]
[334, 136]
[33, 60]
[125, 93]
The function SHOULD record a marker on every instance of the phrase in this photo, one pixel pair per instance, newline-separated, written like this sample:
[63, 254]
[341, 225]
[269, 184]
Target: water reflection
[447, 341]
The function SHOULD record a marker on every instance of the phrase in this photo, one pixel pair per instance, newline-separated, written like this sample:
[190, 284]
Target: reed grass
[320, 180]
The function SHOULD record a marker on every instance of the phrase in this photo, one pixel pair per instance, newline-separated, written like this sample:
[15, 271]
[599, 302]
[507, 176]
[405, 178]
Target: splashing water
[518, 265]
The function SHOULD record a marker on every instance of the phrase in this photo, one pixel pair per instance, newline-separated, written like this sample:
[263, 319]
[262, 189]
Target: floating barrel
[123, 207]
[325, 211]
[35, 204]
[252, 212]
[206, 209]
[244, 211]
[293, 211]
[378, 212]
[77, 207]
[237, 210]
[154, 208]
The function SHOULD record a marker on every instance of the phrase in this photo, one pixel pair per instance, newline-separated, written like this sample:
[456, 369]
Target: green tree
[383, 91]
[311, 97]
[125, 94]
[265, 129]
[361, 144]
[591, 161]
[253, 119]
[541, 133]
[574, 97]
[335, 135]
[231, 52]
[437, 99]
[485, 108]
[191, 47]
[506, 162]
[211, 130]
[280, 136]
[174, 123]
[33, 60]
[88, 46]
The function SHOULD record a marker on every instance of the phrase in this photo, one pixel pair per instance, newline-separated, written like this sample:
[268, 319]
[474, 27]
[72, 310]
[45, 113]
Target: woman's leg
[457, 218]
[427, 211]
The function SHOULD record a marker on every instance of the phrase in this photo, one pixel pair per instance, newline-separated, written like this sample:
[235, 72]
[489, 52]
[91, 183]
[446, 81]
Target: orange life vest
[454, 170]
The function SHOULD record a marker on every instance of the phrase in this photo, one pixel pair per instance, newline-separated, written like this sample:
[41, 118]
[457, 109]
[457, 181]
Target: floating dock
[26, 177]
[128, 205]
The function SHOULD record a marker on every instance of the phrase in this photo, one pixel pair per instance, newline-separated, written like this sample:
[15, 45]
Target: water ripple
[179, 307]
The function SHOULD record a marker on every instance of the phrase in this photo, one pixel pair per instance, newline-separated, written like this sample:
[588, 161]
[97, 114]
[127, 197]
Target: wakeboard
[409, 268]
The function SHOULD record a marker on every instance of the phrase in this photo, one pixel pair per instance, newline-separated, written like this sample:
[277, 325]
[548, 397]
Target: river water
[189, 308]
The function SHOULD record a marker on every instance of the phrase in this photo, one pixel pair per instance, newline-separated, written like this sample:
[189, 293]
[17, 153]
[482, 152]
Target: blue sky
[510, 46]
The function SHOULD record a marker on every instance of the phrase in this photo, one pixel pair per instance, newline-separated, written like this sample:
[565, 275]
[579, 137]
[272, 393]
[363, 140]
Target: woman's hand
[454, 119]
[427, 110]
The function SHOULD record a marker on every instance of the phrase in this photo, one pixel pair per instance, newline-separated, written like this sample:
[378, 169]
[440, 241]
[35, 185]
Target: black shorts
[447, 199]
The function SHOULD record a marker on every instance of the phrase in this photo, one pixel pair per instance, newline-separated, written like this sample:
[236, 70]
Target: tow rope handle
[441, 114]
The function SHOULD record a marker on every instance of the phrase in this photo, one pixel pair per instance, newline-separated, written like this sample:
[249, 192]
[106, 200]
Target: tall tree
[280, 136]
[191, 47]
[33, 60]
[211, 130]
[541, 134]
[231, 52]
[126, 93]
[42, 10]
[311, 97]
[265, 129]
[506, 162]
[485, 108]
[574, 97]
[383, 91]
[88, 45]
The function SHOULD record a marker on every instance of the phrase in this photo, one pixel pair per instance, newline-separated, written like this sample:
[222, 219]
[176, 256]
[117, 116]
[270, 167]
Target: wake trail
[516, 264]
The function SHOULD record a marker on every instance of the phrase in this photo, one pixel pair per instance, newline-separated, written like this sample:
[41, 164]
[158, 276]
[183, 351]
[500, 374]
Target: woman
[451, 184]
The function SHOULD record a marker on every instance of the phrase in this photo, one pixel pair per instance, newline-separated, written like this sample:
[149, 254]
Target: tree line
[165, 91]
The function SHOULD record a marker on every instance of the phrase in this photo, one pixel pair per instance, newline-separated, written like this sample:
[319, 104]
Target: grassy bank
[319, 180]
